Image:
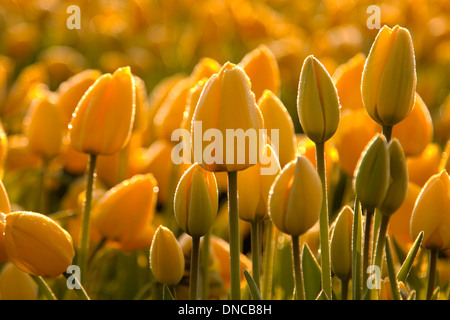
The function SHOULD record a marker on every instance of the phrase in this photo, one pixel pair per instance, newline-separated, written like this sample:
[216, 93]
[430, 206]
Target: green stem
[323, 221]
[44, 287]
[432, 272]
[268, 259]
[381, 240]
[255, 252]
[233, 217]
[193, 283]
[356, 252]
[42, 205]
[299, 292]
[80, 292]
[204, 266]
[85, 228]
[387, 132]
[344, 290]
[366, 248]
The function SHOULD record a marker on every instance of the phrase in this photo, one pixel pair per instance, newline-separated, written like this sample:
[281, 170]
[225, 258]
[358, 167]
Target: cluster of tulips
[358, 206]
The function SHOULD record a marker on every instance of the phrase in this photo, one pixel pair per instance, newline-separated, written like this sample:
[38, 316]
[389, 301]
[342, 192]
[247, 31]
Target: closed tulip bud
[191, 104]
[103, 119]
[341, 244]
[277, 117]
[423, 166]
[295, 197]
[416, 131]
[372, 174]
[204, 69]
[317, 101]
[431, 213]
[72, 90]
[166, 257]
[44, 127]
[445, 160]
[37, 245]
[16, 284]
[3, 254]
[125, 209]
[196, 201]
[3, 150]
[261, 67]
[141, 116]
[224, 96]
[254, 185]
[398, 182]
[389, 77]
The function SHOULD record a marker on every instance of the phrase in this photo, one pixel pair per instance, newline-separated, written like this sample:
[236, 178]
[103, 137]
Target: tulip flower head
[341, 244]
[16, 284]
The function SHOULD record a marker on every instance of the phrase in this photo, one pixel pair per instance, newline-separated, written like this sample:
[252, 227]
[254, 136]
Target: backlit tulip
[295, 197]
[166, 257]
[37, 245]
[3, 150]
[5, 205]
[261, 67]
[423, 166]
[445, 160]
[317, 101]
[16, 284]
[276, 117]
[226, 95]
[371, 179]
[341, 244]
[125, 209]
[389, 76]
[431, 213]
[3, 254]
[103, 119]
[196, 201]
[141, 115]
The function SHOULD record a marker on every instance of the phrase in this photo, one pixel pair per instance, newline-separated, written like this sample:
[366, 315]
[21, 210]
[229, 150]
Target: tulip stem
[268, 260]
[299, 292]
[235, 288]
[193, 283]
[44, 287]
[387, 132]
[356, 252]
[381, 240]
[84, 244]
[432, 272]
[366, 248]
[204, 266]
[255, 252]
[78, 287]
[344, 290]
[42, 205]
[323, 221]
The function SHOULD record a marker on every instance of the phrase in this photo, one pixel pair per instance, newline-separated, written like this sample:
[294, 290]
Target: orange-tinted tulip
[16, 284]
[348, 77]
[423, 166]
[445, 160]
[3, 150]
[3, 254]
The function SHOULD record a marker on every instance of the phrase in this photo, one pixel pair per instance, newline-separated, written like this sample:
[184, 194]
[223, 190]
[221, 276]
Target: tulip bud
[254, 186]
[416, 131]
[196, 201]
[166, 257]
[16, 284]
[431, 213]
[204, 69]
[398, 182]
[224, 96]
[37, 245]
[125, 209]
[445, 160]
[317, 101]
[389, 77]
[423, 166]
[295, 197]
[103, 119]
[341, 244]
[261, 67]
[372, 173]
[3, 150]
[3, 254]
[141, 115]
[277, 117]
[44, 128]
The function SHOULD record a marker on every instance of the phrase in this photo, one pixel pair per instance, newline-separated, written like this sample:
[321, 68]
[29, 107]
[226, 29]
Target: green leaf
[412, 295]
[167, 294]
[311, 274]
[407, 264]
[435, 294]
[391, 271]
[322, 296]
[356, 252]
[252, 287]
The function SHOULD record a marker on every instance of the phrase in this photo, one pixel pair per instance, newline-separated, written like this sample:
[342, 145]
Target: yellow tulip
[354, 132]
[19, 155]
[141, 240]
[73, 161]
[37, 245]
[3, 254]
[16, 284]
[125, 209]
[317, 101]
[3, 150]
[204, 69]
[254, 186]
[261, 67]
[44, 127]
[389, 77]
[103, 119]
[196, 201]
[166, 257]
[141, 115]
[371, 178]
[416, 131]
[5, 205]
[72, 90]
[277, 117]
[295, 197]
[445, 160]
[341, 244]
[423, 166]
[226, 95]
[431, 213]
[347, 77]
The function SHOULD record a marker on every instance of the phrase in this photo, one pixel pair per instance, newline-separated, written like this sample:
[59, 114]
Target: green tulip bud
[341, 244]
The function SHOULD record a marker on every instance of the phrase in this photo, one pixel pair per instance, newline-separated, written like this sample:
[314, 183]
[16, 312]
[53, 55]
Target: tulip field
[224, 150]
